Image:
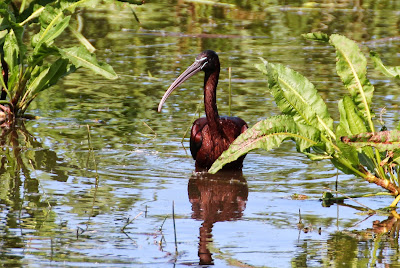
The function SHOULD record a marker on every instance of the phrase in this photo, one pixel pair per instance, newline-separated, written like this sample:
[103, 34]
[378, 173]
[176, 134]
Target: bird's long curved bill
[190, 71]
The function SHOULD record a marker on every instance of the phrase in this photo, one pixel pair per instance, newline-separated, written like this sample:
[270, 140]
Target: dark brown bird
[212, 135]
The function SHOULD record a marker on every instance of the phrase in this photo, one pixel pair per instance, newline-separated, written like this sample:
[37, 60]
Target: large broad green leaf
[386, 70]
[268, 134]
[384, 140]
[350, 120]
[295, 95]
[351, 124]
[81, 57]
[343, 129]
[351, 66]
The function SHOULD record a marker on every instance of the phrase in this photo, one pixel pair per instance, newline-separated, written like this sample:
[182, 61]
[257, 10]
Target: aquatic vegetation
[354, 145]
[29, 67]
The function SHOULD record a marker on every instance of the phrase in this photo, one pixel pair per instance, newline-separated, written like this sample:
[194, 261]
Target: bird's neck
[210, 100]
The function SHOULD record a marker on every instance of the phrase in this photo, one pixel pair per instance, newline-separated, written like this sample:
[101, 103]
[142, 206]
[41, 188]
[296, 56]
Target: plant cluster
[29, 67]
[354, 146]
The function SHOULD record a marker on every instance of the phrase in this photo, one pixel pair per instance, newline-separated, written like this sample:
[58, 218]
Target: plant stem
[34, 15]
[328, 140]
[378, 166]
[394, 203]
[384, 183]
[173, 220]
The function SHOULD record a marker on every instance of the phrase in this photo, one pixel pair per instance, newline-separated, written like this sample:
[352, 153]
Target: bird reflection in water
[216, 198]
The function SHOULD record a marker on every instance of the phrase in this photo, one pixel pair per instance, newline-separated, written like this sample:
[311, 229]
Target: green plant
[305, 120]
[28, 68]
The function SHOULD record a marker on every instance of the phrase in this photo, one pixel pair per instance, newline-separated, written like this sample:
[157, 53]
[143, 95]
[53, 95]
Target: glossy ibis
[212, 135]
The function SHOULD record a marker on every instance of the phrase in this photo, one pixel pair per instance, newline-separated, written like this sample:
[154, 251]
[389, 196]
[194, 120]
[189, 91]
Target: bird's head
[206, 61]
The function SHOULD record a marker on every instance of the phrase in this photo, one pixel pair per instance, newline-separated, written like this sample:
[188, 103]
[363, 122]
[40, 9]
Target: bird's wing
[196, 138]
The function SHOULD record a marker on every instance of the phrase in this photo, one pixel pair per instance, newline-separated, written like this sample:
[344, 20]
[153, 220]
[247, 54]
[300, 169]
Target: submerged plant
[29, 67]
[354, 146]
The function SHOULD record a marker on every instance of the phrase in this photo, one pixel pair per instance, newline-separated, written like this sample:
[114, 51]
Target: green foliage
[296, 96]
[383, 141]
[269, 134]
[351, 66]
[28, 68]
[353, 147]
[386, 70]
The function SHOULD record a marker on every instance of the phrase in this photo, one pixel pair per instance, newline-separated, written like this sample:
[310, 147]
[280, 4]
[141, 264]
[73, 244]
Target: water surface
[63, 204]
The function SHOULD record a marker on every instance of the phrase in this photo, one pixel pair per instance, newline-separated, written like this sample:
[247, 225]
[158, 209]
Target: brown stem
[381, 182]
[17, 96]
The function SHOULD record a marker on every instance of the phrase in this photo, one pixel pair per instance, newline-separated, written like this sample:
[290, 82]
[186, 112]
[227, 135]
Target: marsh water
[103, 180]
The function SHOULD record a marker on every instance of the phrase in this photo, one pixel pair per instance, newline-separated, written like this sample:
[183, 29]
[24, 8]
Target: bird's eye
[204, 64]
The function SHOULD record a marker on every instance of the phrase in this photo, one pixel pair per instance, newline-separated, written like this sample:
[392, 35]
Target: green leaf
[13, 79]
[32, 16]
[384, 140]
[269, 134]
[3, 35]
[348, 118]
[317, 157]
[83, 40]
[81, 57]
[13, 32]
[317, 36]
[51, 32]
[351, 66]
[386, 70]
[351, 124]
[396, 156]
[50, 15]
[11, 50]
[31, 73]
[32, 11]
[6, 17]
[295, 95]
[47, 77]
[41, 53]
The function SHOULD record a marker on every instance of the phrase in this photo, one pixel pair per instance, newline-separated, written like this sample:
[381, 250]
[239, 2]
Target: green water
[62, 204]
